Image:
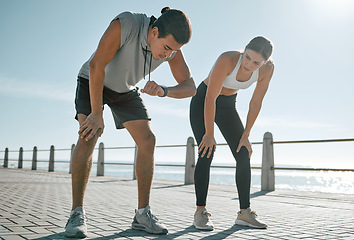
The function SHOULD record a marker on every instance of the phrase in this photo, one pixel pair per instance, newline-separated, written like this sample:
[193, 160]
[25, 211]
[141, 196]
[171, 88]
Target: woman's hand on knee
[207, 145]
[244, 142]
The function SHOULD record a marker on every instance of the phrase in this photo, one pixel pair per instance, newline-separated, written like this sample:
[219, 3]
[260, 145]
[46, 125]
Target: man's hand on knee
[91, 126]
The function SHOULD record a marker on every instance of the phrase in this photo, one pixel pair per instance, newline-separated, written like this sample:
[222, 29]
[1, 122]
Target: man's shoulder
[132, 18]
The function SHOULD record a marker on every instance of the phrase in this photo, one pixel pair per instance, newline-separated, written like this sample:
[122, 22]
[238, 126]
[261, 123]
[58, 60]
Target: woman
[215, 102]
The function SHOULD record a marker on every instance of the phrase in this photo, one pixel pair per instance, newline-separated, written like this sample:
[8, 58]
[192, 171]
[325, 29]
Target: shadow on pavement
[256, 194]
[224, 234]
[131, 233]
[169, 186]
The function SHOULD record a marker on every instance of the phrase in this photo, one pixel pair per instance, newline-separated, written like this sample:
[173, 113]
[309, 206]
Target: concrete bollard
[51, 159]
[20, 158]
[100, 161]
[34, 159]
[6, 158]
[71, 156]
[268, 178]
[135, 157]
[190, 162]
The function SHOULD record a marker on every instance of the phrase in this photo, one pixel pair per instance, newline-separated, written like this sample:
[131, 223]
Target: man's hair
[175, 22]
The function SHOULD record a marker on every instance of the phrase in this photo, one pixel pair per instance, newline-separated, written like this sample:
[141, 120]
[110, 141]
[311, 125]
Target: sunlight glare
[334, 8]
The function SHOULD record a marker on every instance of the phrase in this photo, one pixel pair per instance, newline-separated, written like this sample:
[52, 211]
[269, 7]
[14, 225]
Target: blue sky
[44, 43]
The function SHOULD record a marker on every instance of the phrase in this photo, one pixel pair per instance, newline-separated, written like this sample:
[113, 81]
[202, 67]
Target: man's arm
[180, 71]
[107, 48]
[179, 68]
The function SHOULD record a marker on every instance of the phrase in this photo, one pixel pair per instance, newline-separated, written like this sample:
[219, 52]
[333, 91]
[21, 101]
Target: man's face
[163, 47]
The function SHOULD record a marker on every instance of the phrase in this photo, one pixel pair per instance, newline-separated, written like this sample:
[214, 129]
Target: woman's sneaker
[202, 221]
[147, 222]
[76, 225]
[248, 218]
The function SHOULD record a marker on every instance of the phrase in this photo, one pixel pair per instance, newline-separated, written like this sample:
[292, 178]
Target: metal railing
[267, 168]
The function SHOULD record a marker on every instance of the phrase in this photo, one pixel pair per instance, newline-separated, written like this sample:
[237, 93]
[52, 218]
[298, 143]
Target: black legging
[232, 129]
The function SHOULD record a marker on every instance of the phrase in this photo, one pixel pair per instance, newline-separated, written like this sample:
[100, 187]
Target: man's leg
[80, 171]
[144, 138]
[81, 166]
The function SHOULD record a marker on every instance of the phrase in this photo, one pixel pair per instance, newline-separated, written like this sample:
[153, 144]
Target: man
[132, 47]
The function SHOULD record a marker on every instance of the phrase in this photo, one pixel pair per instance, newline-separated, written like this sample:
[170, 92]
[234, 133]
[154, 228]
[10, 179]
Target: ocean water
[316, 181]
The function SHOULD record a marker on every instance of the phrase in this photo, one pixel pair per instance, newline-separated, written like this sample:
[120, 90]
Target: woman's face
[163, 47]
[251, 61]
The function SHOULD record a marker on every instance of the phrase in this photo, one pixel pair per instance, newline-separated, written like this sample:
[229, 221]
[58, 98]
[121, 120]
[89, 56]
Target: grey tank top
[127, 67]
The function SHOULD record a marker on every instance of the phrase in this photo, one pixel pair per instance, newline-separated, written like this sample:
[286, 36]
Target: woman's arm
[255, 106]
[216, 78]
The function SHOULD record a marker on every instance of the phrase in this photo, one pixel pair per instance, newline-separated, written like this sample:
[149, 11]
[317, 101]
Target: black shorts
[124, 106]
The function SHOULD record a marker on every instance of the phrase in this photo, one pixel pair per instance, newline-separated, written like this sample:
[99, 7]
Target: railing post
[71, 156]
[34, 158]
[135, 157]
[100, 161]
[6, 158]
[20, 158]
[190, 162]
[268, 178]
[51, 159]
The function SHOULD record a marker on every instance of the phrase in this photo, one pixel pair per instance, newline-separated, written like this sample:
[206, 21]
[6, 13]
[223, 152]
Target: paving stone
[39, 230]
[35, 236]
[18, 229]
[36, 205]
[12, 237]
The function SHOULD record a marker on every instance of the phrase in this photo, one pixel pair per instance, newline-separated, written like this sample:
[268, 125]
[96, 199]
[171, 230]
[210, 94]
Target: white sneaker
[202, 221]
[148, 222]
[76, 225]
[248, 218]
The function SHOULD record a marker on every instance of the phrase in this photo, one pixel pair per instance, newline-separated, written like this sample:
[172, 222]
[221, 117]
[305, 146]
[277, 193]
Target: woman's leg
[202, 169]
[232, 129]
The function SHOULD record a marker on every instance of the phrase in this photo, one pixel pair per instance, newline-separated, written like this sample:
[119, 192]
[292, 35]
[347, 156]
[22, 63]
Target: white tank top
[231, 81]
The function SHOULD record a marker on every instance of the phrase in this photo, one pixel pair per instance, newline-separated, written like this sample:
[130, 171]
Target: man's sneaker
[147, 222]
[202, 221]
[76, 225]
[248, 218]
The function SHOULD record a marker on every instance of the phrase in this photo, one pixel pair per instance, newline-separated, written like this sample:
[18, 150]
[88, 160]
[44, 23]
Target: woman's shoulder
[230, 58]
[231, 55]
[267, 69]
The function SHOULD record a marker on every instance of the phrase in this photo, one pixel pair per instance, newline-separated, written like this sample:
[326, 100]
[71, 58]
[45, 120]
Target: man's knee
[147, 142]
[86, 146]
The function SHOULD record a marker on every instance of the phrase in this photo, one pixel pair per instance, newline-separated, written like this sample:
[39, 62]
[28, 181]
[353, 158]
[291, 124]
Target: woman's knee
[203, 163]
[243, 163]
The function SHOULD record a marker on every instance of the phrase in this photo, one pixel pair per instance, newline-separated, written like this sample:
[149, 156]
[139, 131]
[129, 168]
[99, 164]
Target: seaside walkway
[36, 205]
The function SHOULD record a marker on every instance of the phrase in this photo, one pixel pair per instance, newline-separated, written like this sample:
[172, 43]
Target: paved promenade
[36, 205]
